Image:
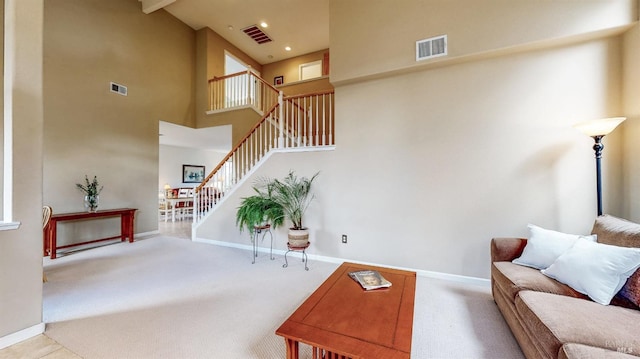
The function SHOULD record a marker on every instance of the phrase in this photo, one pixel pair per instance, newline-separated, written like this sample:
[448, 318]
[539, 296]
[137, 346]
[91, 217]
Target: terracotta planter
[298, 237]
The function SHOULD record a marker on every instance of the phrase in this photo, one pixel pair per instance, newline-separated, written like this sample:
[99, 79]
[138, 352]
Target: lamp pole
[598, 147]
[598, 129]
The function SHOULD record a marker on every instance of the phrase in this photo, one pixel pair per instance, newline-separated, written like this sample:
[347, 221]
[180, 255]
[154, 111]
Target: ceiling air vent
[433, 47]
[256, 34]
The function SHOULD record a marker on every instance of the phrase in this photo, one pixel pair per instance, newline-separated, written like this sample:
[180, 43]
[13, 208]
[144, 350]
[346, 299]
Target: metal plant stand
[257, 230]
[302, 249]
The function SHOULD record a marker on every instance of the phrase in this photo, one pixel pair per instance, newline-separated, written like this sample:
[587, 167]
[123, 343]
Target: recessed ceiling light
[288, 48]
[230, 27]
[264, 24]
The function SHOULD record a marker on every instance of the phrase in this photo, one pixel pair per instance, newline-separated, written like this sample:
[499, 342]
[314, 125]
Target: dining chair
[164, 208]
[46, 217]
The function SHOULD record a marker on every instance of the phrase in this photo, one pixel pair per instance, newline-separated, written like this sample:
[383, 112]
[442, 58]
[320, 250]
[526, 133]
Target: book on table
[370, 279]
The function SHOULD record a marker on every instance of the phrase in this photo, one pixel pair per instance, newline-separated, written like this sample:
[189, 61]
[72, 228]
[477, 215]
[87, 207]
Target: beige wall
[434, 161]
[478, 146]
[631, 127]
[372, 40]
[21, 263]
[290, 68]
[454, 157]
[88, 129]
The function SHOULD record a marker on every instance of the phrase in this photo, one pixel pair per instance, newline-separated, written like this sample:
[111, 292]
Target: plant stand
[257, 230]
[302, 249]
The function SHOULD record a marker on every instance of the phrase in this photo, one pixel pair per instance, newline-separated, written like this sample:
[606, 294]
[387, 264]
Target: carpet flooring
[166, 297]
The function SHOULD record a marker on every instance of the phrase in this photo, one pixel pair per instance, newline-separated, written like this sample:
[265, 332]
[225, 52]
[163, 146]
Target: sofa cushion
[616, 231]
[544, 246]
[620, 232]
[596, 269]
[506, 249]
[558, 319]
[580, 351]
[512, 278]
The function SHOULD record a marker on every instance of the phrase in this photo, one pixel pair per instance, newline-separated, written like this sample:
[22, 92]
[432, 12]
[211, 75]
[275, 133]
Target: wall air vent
[256, 34]
[430, 48]
[119, 89]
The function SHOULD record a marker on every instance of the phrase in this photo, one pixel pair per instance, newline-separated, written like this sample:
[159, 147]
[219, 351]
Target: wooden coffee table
[342, 320]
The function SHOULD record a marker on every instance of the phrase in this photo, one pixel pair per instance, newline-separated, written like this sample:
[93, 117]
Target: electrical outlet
[344, 238]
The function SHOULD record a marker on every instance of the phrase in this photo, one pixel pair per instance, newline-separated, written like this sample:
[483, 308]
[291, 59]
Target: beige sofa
[550, 319]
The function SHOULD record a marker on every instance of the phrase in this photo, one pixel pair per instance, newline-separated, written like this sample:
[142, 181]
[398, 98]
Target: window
[311, 70]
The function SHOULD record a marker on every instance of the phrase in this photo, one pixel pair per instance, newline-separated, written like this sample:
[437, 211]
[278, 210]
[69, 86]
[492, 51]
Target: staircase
[288, 123]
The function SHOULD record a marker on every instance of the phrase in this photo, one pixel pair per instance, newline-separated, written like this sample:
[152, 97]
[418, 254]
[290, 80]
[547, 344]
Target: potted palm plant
[294, 195]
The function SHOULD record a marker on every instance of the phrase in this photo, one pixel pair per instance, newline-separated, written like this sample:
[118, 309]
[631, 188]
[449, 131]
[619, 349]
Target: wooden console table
[126, 215]
[342, 320]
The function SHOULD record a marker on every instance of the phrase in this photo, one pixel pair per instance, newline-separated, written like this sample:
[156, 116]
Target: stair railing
[239, 161]
[300, 121]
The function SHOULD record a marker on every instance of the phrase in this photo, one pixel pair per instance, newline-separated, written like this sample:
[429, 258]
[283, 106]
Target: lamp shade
[601, 127]
[166, 186]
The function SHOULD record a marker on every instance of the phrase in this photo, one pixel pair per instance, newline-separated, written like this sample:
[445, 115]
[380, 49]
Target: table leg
[123, 227]
[132, 217]
[292, 348]
[45, 241]
[53, 241]
[127, 226]
[255, 246]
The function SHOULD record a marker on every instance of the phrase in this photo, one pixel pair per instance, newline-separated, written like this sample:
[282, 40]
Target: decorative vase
[298, 237]
[91, 203]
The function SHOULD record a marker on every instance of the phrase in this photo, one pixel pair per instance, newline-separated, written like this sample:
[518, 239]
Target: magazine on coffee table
[370, 279]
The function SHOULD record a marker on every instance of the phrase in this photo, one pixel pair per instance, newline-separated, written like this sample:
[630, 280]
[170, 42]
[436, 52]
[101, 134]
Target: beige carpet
[165, 297]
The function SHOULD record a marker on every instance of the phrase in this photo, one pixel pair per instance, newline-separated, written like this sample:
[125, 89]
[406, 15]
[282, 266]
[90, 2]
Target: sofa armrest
[506, 249]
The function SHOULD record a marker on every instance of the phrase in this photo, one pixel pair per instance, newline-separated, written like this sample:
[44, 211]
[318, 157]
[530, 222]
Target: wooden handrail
[244, 88]
[293, 97]
[267, 84]
[220, 78]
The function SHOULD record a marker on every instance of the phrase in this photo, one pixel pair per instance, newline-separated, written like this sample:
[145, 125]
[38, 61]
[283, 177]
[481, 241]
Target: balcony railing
[242, 89]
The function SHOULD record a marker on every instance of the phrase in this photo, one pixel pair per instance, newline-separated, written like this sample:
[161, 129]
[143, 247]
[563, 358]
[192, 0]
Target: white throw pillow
[595, 269]
[544, 246]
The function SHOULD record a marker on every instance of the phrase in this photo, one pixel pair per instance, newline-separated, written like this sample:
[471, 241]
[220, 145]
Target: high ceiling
[302, 25]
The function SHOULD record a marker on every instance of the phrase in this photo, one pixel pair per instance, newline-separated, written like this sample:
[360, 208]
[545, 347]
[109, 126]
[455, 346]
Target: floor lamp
[597, 129]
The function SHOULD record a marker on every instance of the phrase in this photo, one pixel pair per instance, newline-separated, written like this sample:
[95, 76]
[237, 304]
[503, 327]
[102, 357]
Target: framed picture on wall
[278, 80]
[192, 174]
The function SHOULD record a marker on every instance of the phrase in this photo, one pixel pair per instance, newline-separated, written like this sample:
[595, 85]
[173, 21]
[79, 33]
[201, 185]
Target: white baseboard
[419, 272]
[22, 335]
[146, 234]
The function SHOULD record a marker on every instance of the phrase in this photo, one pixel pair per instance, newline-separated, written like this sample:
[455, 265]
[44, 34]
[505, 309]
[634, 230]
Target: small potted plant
[92, 190]
[259, 212]
[293, 193]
